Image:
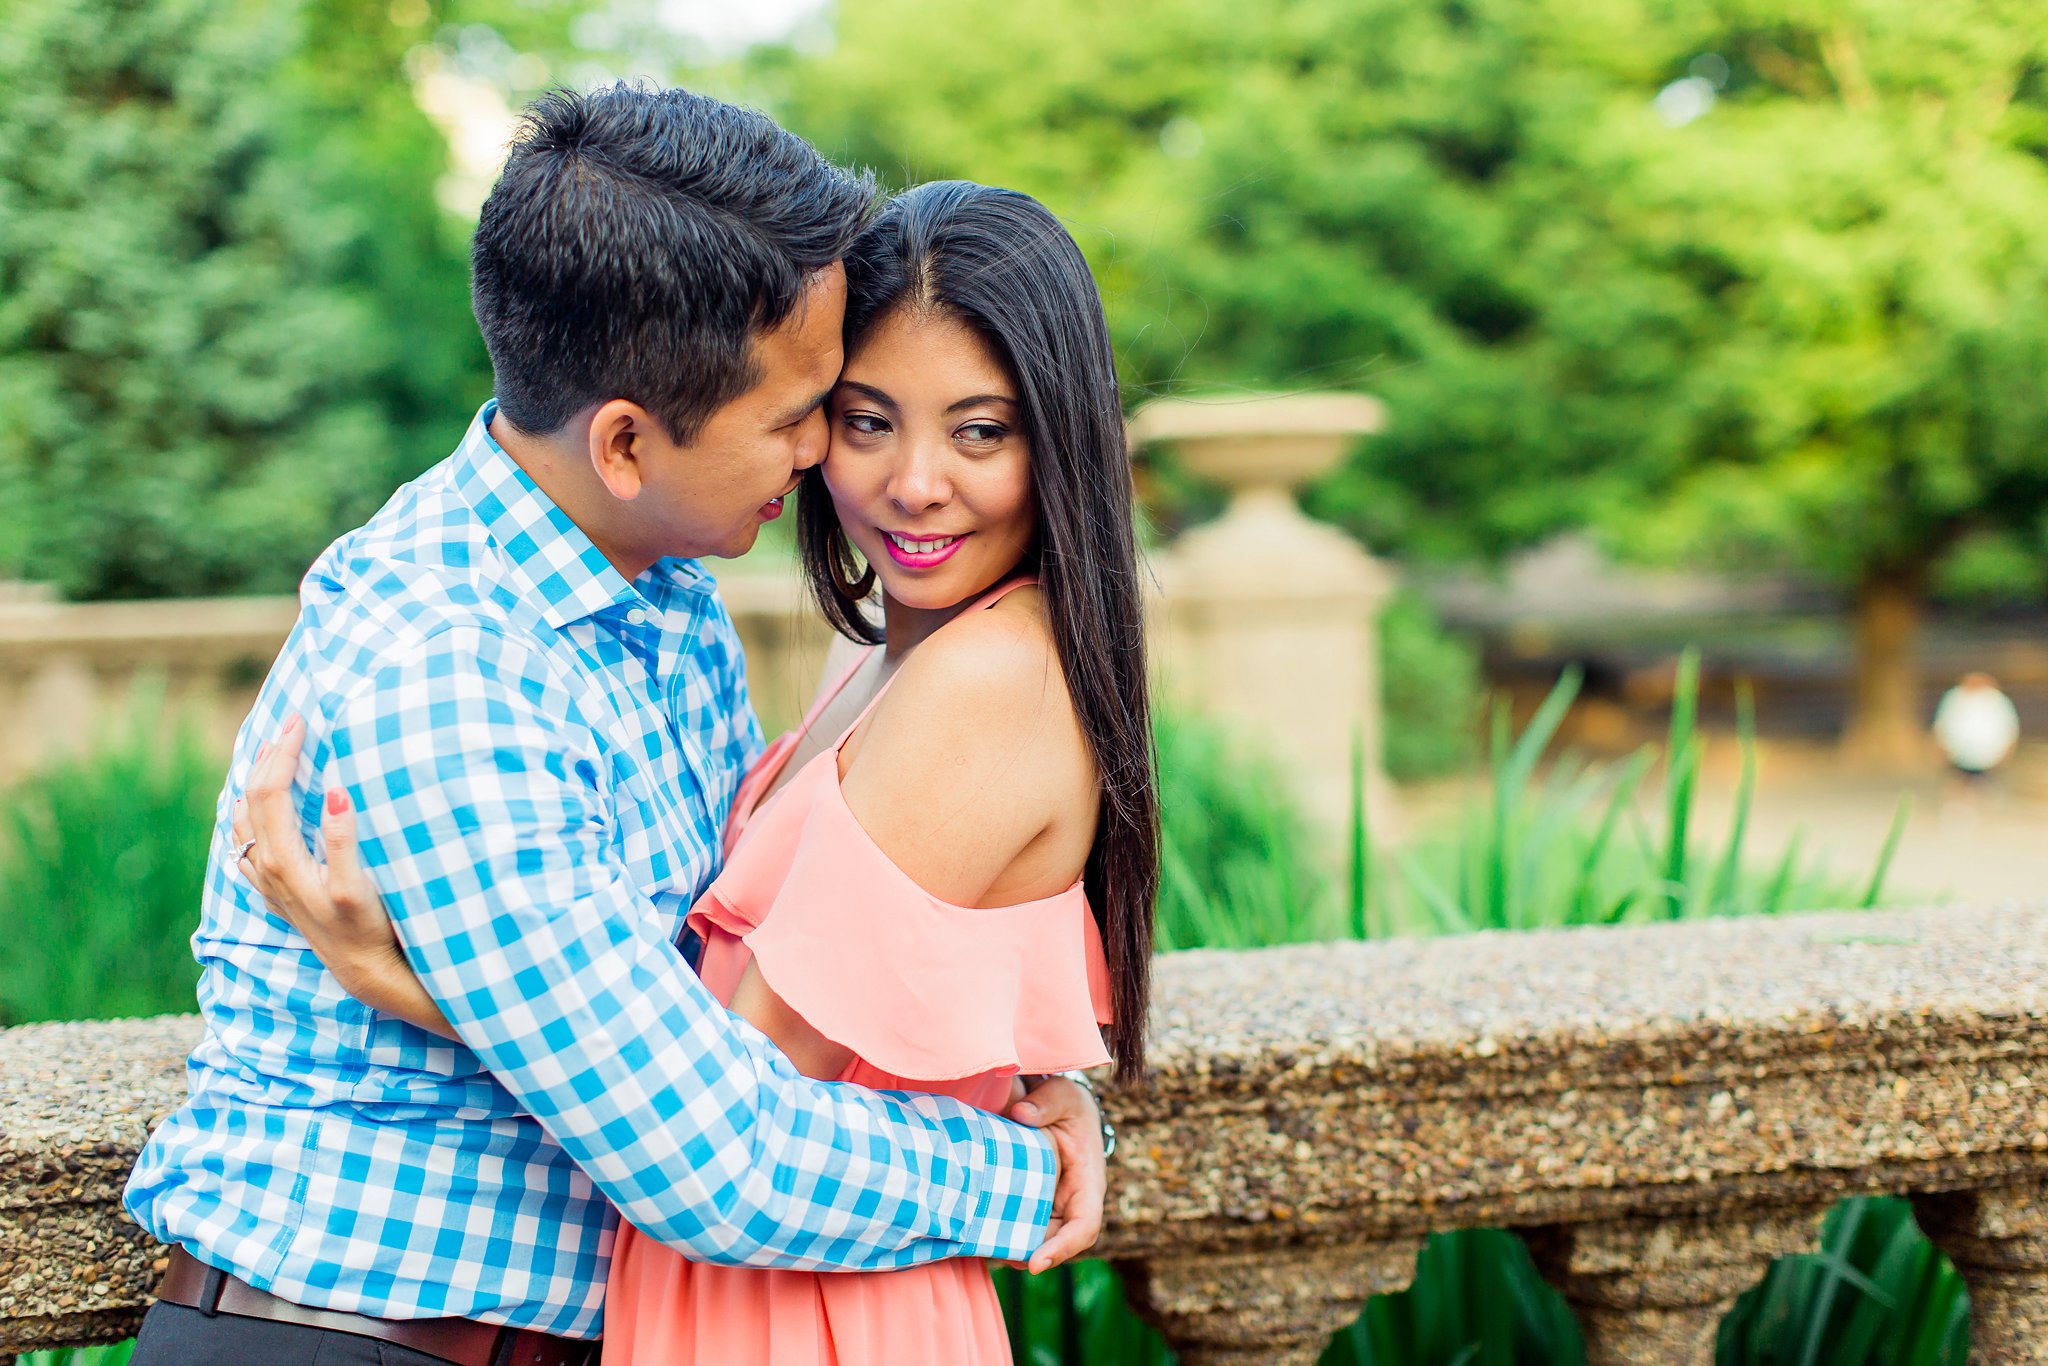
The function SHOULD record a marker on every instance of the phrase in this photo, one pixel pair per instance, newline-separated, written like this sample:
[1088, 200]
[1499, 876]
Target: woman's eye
[982, 432]
[866, 423]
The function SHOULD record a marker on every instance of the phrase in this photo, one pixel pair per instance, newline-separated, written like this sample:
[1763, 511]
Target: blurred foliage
[1877, 1293]
[101, 859]
[1239, 863]
[1477, 1300]
[232, 317]
[1075, 1315]
[1429, 693]
[1727, 280]
[1825, 297]
[116, 1355]
[1540, 839]
[1548, 840]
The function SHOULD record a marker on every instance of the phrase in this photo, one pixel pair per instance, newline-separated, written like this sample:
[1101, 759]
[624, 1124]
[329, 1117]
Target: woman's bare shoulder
[975, 738]
[997, 671]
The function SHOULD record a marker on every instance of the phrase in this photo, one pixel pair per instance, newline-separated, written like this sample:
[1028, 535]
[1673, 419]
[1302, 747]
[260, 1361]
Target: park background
[1717, 324]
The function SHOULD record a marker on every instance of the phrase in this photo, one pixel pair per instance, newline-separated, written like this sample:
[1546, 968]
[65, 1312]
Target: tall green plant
[1238, 862]
[101, 859]
[1876, 1294]
[116, 1355]
[1429, 693]
[1476, 1301]
[1572, 844]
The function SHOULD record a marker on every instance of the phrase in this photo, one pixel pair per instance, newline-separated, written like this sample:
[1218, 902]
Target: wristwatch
[1086, 1083]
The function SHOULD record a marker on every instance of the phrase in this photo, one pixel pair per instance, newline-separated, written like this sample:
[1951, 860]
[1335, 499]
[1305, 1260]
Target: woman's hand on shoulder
[971, 756]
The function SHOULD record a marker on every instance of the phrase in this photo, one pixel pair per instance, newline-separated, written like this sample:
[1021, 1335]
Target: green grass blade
[1595, 853]
[1542, 729]
[1682, 759]
[1450, 917]
[1621, 907]
[1360, 844]
[1491, 867]
[1891, 847]
[1720, 900]
[1781, 881]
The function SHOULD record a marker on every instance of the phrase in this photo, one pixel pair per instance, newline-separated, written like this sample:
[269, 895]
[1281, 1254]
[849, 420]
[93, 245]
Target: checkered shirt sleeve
[487, 823]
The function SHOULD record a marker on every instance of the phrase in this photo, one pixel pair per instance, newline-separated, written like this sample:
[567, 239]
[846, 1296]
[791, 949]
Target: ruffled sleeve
[913, 985]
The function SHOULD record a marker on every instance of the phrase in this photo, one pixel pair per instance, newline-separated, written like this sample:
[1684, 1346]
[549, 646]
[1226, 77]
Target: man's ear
[620, 433]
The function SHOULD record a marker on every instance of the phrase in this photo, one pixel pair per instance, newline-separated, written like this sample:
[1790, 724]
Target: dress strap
[1001, 591]
[827, 696]
[980, 604]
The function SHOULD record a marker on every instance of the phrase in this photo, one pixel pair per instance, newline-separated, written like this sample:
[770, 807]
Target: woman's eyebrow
[976, 400]
[868, 390]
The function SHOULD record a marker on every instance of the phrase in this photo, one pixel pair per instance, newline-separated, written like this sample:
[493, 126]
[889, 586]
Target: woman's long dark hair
[998, 262]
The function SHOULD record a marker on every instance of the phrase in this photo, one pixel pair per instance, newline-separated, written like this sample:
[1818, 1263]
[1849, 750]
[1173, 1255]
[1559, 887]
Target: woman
[944, 879]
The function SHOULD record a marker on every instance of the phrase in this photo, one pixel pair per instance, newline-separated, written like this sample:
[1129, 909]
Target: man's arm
[486, 824]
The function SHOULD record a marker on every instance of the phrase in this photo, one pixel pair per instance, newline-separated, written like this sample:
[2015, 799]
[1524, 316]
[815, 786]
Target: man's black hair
[637, 241]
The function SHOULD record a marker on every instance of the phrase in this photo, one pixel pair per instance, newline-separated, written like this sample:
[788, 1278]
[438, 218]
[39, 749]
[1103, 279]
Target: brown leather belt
[466, 1342]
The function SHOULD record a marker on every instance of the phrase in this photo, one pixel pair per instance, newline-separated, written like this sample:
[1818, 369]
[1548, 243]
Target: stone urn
[1270, 618]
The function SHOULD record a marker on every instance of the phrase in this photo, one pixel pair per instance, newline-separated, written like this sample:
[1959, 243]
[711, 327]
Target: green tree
[1331, 193]
[1863, 210]
[1802, 328]
[229, 310]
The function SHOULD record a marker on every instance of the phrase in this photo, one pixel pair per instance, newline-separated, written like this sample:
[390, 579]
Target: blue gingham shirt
[543, 756]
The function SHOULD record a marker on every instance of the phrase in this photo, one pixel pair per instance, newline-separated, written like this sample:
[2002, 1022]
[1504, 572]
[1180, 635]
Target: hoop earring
[843, 560]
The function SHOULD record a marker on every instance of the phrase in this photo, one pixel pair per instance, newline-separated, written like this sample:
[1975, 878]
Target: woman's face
[929, 468]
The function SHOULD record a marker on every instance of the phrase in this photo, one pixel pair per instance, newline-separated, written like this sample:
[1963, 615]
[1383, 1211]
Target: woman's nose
[919, 480]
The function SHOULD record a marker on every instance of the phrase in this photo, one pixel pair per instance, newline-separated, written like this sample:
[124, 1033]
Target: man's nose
[813, 439]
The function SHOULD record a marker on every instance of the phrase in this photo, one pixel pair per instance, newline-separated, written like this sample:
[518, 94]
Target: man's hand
[1068, 1116]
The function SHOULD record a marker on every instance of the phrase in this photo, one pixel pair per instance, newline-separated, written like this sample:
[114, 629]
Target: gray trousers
[174, 1335]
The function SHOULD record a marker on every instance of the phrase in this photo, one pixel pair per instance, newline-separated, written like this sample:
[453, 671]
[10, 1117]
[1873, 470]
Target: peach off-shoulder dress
[929, 996]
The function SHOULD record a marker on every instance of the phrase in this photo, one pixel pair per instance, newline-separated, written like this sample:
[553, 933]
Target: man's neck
[560, 467]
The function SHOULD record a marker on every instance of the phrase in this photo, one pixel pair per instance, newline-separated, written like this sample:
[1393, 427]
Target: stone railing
[1263, 619]
[1660, 1111]
[68, 671]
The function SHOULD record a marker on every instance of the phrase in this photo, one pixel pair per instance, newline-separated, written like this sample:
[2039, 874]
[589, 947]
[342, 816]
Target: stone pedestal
[1269, 620]
[1270, 1307]
[1654, 1292]
[1998, 1240]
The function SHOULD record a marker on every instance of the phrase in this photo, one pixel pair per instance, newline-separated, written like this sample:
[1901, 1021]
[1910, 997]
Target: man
[535, 701]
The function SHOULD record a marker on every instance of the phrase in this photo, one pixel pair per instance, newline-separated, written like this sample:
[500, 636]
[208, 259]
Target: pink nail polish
[337, 801]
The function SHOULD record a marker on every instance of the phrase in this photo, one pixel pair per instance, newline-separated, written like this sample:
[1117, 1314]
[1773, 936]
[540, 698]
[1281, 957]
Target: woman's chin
[939, 592]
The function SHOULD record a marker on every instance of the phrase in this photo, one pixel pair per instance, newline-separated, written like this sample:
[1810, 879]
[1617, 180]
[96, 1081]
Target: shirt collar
[551, 557]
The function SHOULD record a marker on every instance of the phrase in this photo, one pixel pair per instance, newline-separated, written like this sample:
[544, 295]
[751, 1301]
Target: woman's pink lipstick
[922, 559]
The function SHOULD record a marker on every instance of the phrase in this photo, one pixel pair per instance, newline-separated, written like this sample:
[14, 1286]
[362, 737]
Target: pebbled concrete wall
[1661, 1110]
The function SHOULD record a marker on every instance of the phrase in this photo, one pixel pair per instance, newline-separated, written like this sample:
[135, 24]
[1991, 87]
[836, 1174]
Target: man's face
[712, 496]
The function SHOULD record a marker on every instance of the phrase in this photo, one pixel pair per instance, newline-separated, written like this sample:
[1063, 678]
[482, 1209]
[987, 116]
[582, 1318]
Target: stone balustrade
[1262, 619]
[1659, 1110]
[70, 670]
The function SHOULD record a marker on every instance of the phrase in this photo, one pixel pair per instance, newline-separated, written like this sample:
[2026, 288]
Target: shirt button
[638, 616]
